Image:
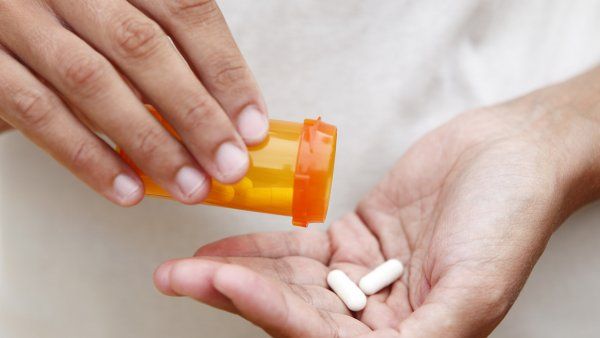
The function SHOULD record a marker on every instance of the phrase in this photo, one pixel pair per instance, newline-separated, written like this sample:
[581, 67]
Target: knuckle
[34, 108]
[83, 157]
[83, 74]
[135, 38]
[192, 7]
[228, 72]
[198, 113]
[150, 141]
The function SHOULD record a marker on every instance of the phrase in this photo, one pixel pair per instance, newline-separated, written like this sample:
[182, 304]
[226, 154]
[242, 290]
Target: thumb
[274, 308]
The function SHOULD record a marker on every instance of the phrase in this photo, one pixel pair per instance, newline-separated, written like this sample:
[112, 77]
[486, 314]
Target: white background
[385, 72]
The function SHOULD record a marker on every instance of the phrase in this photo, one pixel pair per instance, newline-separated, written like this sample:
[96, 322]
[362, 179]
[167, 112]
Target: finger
[383, 333]
[162, 277]
[279, 313]
[387, 308]
[89, 82]
[145, 54]
[192, 278]
[354, 271]
[89, 123]
[319, 298]
[199, 28]
[4, 126]
[289, 270]
[398, 301]
[378, 214]
[36, 111]
[307, 243]
[350, 233]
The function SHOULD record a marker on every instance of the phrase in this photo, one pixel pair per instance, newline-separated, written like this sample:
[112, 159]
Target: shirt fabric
[385, 72]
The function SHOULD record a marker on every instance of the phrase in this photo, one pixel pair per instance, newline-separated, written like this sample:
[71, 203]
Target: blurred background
[384, 72]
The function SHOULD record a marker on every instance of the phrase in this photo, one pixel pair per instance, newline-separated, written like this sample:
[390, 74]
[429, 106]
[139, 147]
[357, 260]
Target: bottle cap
[314, 172]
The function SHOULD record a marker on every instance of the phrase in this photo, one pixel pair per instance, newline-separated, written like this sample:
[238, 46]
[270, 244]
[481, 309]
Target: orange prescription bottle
[290, 173]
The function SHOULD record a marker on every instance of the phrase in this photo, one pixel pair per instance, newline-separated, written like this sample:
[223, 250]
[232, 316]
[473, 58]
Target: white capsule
[382, 276]
[347, 290]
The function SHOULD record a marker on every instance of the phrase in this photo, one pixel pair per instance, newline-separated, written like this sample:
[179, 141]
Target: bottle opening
[314, 172]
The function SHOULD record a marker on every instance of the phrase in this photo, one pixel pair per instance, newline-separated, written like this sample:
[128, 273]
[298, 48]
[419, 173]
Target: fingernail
[189, 180]
[252, 125]
[126, 188]
[162, 278]
[232, 162]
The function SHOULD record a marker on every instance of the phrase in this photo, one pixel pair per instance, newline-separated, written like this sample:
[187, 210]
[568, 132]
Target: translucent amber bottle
[290, 173]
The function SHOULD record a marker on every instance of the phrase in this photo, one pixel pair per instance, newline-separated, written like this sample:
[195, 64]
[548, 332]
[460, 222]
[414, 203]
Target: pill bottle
[290, 173]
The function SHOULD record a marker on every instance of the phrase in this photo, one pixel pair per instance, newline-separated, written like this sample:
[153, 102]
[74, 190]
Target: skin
[468, 209]
[70, 68]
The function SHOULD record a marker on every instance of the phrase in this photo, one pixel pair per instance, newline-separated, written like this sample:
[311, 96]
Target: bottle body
[269, 183]
[290, 173]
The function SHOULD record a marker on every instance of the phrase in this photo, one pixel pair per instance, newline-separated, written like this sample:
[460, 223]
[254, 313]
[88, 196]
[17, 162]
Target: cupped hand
[72, 67]
[468, 209]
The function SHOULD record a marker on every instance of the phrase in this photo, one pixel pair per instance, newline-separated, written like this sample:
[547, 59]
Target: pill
[220, 193]
[274, 197]
[243, 185]
[380, 277]
[347, 290]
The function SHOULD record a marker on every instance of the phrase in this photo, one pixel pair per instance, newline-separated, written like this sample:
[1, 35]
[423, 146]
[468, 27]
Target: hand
[4, 126]
[468, 209]
[71, 66]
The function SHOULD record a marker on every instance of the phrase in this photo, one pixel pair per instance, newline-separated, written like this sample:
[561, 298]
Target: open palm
[468, 209]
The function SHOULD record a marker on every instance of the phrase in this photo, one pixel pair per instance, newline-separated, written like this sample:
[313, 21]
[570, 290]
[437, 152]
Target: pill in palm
[347, 290]
[382, 276]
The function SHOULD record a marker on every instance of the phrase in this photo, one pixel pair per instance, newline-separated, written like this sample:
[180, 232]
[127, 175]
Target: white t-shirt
[384, 72]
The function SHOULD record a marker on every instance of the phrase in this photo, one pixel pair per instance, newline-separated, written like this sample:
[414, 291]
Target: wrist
[566, 118]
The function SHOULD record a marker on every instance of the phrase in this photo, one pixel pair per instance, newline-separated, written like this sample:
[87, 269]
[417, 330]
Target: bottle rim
[314, 172]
